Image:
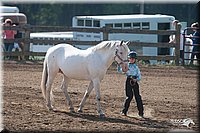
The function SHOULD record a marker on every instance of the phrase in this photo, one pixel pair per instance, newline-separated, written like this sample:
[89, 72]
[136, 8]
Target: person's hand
[134, 80]
[124, 68]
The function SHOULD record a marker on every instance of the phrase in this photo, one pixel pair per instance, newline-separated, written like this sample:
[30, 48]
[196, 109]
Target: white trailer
[9, 9]
[136, 21]
[43, 47]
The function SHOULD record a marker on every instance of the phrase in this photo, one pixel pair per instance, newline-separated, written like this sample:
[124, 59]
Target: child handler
[132, 86]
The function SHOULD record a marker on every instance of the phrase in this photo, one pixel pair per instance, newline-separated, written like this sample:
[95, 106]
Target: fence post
[26, 41]
[105, 33]
[177, 47]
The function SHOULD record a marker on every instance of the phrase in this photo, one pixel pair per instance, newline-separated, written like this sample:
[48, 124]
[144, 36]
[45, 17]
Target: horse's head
[121, 55]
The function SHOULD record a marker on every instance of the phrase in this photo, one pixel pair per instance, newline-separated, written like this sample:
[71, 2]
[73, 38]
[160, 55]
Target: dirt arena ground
[169, 95]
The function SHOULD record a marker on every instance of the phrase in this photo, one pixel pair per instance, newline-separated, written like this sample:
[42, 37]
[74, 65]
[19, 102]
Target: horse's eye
[121, 53]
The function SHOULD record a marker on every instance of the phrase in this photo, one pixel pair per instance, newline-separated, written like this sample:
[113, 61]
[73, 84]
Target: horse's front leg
[96, 84]
[86, 95]
[64, 87]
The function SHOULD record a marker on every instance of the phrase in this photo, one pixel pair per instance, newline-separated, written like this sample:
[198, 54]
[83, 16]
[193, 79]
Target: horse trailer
[136, 21]
[9, 9]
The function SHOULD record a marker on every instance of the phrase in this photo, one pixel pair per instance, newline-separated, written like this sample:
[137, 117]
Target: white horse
[90, 64]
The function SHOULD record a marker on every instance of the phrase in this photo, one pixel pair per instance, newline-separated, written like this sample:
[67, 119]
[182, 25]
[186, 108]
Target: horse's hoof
[55, 110]
[72, 111]
[80, 111]
[102, 116]
[52, 109]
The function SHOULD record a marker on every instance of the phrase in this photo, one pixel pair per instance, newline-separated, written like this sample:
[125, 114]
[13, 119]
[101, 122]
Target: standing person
[8, 34]
[196, 42]
[172, 39]
[132, 87]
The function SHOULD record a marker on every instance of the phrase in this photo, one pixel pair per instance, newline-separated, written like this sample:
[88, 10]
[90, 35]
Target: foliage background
[62, 13]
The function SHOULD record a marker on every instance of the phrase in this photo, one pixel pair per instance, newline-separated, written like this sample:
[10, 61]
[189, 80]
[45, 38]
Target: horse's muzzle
[124, 67]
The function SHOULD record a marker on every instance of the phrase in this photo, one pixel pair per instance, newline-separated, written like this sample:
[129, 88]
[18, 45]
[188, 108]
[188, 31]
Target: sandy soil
[169, 95]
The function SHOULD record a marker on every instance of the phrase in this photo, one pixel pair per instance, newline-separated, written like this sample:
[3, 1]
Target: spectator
[8, 34]
[172, 39]
[196, 43]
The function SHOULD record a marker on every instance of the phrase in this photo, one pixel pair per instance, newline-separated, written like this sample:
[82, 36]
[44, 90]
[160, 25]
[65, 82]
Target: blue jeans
[9, 47]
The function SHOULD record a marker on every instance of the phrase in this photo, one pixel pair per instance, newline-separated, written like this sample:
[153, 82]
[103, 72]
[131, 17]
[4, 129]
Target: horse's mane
[102, 45]
[107, 45]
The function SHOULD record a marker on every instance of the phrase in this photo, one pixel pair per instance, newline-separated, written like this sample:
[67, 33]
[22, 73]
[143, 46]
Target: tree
[61, 14]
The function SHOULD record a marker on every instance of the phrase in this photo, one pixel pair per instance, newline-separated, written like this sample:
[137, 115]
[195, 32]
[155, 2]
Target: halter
[117, 55]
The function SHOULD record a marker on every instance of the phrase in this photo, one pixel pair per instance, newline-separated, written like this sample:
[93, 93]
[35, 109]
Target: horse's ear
[128, 42]
[121, 42]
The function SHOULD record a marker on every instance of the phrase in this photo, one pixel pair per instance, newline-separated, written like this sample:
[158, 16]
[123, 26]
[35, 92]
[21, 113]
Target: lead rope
[132, 82]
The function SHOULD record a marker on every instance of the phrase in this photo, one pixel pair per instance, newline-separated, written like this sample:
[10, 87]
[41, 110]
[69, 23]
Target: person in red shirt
[8, 34]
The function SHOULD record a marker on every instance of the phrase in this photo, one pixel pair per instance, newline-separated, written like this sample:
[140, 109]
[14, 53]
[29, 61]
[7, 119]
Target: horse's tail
[44, 79]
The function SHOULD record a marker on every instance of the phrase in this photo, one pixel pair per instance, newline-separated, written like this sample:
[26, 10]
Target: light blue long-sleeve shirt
[133, 70]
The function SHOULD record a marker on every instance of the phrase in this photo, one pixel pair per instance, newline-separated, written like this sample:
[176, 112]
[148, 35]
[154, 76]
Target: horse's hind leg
[64, 87]
[87, 93]
[49, 95]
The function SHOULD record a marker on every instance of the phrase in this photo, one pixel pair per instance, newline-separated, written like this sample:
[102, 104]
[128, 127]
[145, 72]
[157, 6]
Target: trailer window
[118, 25]
[80, 22]
[163, 26]
[109, 25]
[96, 23]
[88, 22]
[145, 25]
[80, 35]
[127, 25]
[163, 38]
[136, 25]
